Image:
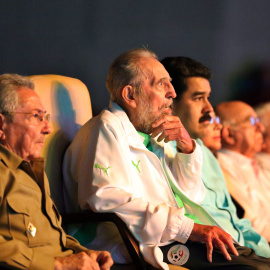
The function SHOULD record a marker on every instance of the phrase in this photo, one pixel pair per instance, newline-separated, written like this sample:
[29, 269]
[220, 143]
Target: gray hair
[261, 111]
[126, 70]
[9, 83]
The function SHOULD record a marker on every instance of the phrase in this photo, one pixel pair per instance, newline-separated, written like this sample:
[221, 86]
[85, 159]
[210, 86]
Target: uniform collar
[11, 160]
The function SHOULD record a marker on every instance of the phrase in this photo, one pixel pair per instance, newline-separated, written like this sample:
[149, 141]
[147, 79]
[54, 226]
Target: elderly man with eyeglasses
[242, 138]
[31, 236]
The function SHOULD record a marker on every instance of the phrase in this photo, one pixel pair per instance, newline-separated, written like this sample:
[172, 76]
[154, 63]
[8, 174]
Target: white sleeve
[179, 227]
[187, 170]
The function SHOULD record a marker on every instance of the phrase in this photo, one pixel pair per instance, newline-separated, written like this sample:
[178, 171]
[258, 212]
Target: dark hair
[180, 68]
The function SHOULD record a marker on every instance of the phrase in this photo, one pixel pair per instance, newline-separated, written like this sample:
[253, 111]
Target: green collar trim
[146, 137]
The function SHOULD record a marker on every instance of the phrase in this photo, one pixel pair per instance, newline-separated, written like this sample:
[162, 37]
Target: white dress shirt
[246, 185]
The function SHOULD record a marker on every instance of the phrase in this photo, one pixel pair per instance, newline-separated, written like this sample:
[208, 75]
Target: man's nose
[260, 127]
[170, 92]
[207, 106]
[46, 129]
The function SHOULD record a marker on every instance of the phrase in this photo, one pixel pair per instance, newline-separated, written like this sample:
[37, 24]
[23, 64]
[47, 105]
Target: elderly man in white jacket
[114, 165]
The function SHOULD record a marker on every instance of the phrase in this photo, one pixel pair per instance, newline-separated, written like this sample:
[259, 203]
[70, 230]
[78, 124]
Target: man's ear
[128, 96]
[2, 135]
[227, 135]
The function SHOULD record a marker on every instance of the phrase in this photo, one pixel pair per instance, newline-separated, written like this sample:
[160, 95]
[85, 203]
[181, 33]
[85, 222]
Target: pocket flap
[17, 206]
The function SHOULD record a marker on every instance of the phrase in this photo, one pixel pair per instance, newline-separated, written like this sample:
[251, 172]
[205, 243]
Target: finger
[93, 254]
[165, 118]
[223, 249]
[106, 266]
[105, 260]
[169, 139]
[91, 258]
[163, 126]
[233, 249]
[169, 135]
[156, 131]
[161, 137]
[161, 120]
[209, 251]
[93, 265]
[231, 246]
[169, 127]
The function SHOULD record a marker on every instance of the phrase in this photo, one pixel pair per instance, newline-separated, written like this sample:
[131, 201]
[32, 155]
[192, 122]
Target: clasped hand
[172, 129]
[86, 260]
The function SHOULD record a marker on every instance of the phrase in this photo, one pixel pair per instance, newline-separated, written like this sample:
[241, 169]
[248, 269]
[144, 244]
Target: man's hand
[172, 129]
[87, 260]
[103, 258]
[213, 236]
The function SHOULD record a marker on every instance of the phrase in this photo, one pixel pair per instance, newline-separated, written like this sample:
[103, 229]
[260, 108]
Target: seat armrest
[131, 243]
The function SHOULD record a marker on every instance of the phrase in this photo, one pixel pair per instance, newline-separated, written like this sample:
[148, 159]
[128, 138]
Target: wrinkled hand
[103, 258]
[213, 236]
[172, 129]
[88, 260]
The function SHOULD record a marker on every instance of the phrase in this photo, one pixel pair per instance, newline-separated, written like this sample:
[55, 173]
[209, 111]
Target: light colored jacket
[263, 160]
[108, 168]
[254, 196]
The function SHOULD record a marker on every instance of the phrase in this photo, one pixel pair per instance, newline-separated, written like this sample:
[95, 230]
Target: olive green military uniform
[31, 235]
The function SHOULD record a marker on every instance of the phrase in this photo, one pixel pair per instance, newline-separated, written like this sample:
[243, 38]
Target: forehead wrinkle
[32, 105]
[153, 79]
[147, 69]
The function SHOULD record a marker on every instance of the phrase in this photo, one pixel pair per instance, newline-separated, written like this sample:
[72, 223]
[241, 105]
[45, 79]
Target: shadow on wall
[251, 83]
[66, 129]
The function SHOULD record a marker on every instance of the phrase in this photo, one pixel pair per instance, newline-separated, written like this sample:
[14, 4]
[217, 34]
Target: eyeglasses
[36, 118]
[253, 120]
[214, 120]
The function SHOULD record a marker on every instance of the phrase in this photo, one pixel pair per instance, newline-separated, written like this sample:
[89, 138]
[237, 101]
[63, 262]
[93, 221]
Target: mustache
[168, 104]
[205, 117]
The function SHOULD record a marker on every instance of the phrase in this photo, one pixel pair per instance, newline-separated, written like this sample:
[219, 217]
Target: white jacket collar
[133, 137]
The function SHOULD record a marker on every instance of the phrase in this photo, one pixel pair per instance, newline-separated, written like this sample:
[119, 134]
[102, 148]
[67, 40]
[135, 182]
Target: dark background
[81, 38]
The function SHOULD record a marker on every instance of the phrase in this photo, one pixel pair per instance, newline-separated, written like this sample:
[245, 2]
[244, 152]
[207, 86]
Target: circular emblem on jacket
[178, 255]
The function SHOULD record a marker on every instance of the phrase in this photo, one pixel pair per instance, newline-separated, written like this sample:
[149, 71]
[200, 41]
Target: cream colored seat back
[68, 102]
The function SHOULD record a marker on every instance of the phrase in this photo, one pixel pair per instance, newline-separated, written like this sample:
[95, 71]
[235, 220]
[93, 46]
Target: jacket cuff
[73, 244]
[189, 158]
[186, 229]
[179, 227]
